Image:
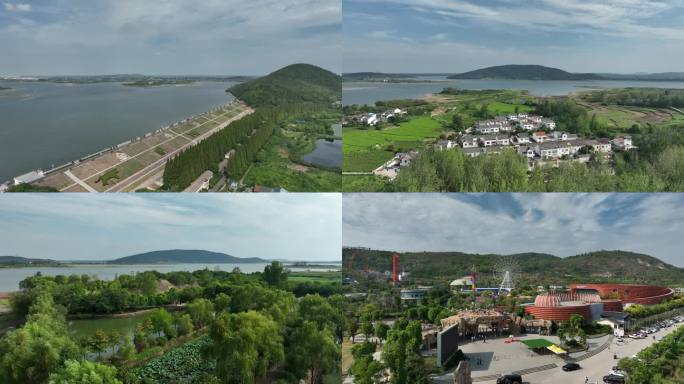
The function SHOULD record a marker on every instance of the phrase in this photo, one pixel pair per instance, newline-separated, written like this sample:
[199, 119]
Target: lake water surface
[370, 92]
[44, 124]
[327, 153]
[10, 277]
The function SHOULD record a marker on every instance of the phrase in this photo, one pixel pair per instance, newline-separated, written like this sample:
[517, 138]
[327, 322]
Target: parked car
[616, 371]
[509, 379]
[570, 367]
[614, 379]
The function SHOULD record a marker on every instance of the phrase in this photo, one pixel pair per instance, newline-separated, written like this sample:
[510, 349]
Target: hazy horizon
[454, 36]
[561, 224]
[80, 37]
[293, 227]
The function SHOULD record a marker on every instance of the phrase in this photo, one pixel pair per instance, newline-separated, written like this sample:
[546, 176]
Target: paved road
[79, 181]
[157, 165]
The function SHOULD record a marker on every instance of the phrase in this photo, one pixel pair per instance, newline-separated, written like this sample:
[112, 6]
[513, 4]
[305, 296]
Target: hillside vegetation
[183, 256]
[600, 266]
[17, 261]
[296, 83]
[524, 72]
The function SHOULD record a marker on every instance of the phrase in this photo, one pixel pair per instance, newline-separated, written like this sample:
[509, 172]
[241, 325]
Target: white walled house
[468, 141]
[623, 143]
[446, 144]
[521, 138]
[493, 140]
[539, 137]
[548, 123]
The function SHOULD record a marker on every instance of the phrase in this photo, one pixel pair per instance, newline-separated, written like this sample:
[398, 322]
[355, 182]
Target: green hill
[295, 83]
[532, 268]
[188, 256]
[23, 261]
[524, 72]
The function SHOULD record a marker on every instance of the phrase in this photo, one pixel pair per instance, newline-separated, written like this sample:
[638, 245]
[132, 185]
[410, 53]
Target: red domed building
[590, 300]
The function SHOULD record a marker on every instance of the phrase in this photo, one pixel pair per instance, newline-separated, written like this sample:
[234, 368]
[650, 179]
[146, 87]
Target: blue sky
[49, 37]
[107, 226]
[461, 35]
[562, 224]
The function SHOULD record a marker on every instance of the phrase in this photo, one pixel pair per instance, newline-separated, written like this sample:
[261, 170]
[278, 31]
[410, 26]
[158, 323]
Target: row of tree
[639, 97]
[454, 171]
[255, 329]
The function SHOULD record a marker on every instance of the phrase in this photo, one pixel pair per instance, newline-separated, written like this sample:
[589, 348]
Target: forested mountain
[524, 72]
[16, 260]
[617, 266]
[358, 76]
[295, 83]
[189, 256]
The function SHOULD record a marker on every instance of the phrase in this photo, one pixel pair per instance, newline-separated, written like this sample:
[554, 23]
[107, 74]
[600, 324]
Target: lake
[10, 277]
[123, 325]
[44, 124]
[359, 92]
[327, 153]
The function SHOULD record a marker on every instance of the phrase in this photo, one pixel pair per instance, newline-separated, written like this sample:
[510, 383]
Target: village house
[391, 168]
[555, 149]
[561, 136]
[521, 138]
[623, 143]
[473, 152]
[539, 137]
[469, 141]
[493, 140]
[446, 144]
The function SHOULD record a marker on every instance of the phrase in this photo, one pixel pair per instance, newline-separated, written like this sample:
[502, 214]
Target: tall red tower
[395, 268]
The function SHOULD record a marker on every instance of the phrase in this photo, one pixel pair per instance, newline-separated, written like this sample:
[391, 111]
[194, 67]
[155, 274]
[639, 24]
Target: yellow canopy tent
[556, 349]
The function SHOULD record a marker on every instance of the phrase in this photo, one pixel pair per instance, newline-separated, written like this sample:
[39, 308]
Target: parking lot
[495, 357]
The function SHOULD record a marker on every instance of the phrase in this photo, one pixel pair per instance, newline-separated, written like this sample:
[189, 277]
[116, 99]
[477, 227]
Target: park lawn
[322, 276]
[416, 129]
[365, 161]
[499, 108]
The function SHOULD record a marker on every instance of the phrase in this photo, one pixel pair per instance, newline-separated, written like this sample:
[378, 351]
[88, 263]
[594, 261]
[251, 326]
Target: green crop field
[414, 130]
[499, 108]
[365, 161]
[365, 150]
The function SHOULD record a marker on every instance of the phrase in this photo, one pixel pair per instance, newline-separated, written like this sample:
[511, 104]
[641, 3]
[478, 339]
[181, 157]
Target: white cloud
[18, 7]
[559, 224]
[174, 37]
[292, 226]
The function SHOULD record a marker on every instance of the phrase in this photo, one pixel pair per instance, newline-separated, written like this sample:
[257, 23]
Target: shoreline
[117, 147]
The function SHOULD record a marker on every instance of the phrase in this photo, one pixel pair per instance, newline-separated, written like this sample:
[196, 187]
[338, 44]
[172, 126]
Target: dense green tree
[163, 322]
[222, 302]
[84, 372]
[275, 275]
[244, 346]
[402, 353]
[201, 311]
[184, 324]
[312, 352]
[28, 355]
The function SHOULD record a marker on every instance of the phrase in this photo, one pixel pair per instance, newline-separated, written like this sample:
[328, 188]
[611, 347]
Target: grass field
[414, 130]
[111, 175]
[322, 277]
[365, 161]
[365, 150]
